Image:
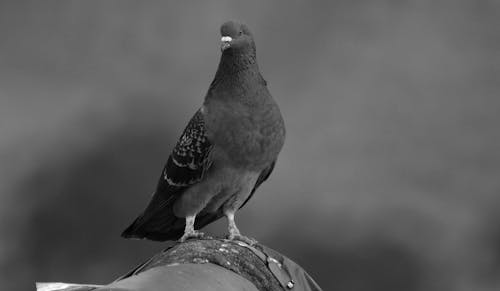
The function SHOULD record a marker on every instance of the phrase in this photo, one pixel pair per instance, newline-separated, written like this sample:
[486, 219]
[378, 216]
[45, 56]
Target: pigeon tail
[173, 228]
[157, 222]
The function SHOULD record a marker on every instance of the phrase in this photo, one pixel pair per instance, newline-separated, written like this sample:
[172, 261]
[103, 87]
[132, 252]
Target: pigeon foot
[248, 240]
[192, 234]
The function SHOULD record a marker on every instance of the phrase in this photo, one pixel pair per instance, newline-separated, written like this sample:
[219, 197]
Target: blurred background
[389, 178]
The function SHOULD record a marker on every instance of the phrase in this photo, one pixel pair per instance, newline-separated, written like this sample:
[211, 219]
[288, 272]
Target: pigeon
[227, 150]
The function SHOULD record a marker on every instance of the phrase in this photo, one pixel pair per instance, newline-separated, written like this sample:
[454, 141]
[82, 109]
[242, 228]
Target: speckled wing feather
[185, 166]
[189, 159]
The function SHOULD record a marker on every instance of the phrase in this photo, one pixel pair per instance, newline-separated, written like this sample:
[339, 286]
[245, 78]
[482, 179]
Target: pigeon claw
[190, 235]
[248, 240]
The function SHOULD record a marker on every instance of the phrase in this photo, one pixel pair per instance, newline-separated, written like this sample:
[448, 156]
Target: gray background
[389, 178]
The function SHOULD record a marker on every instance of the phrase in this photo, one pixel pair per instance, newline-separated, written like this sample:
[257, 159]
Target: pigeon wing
[189, 160]
[185, 166]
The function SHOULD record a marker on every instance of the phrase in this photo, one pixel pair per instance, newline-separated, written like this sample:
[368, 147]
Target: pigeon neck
[232, 63]
[236, 73]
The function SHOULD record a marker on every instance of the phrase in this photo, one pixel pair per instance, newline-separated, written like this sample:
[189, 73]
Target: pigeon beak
[225, 42]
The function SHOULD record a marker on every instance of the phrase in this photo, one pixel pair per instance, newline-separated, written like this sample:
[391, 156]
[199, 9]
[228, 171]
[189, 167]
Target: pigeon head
[236, 37]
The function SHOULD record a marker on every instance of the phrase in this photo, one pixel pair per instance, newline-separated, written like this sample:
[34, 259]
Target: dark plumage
[228, 149]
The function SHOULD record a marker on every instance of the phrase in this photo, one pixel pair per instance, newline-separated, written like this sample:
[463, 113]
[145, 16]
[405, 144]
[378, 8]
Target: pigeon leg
[234, 232]
[189, 231]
